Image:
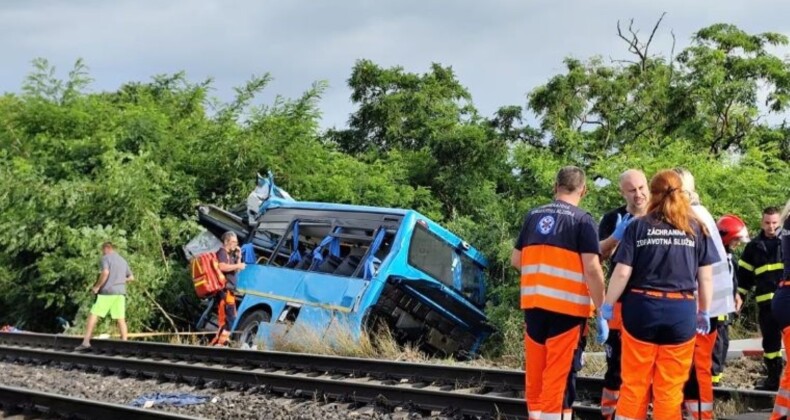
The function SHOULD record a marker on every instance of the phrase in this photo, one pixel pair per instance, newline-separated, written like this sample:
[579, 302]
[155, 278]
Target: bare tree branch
[634, 46]
[653, 33]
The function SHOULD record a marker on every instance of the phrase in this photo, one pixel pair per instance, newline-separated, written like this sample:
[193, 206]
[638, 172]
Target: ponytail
[671, 204]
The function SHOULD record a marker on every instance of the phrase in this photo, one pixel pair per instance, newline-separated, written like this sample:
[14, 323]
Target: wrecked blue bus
[318, 264]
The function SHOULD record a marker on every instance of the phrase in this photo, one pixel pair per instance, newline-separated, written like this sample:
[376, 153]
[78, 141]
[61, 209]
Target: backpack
[206, 275]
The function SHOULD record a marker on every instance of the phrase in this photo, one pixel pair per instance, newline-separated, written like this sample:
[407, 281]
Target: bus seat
[329, 264]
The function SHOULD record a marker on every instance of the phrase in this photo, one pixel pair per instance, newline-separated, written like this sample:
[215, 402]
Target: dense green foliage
[130, 165]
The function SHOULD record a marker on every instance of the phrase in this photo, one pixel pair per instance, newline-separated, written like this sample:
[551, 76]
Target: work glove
[606, 311]
[622, 223]
[603, 329]
[703, 322]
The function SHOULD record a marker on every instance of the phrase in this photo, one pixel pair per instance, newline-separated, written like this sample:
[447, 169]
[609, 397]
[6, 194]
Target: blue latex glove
[703, 322]
[607, 311]
[603, 329]
[622, 223]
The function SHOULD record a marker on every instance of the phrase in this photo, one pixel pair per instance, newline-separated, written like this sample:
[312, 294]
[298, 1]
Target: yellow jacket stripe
[769, 267]
[744, 264]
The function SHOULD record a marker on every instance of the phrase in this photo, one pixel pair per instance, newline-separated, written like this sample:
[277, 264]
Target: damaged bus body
[314, 266]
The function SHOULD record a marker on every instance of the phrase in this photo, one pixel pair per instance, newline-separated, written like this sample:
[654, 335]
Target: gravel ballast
[223, 403]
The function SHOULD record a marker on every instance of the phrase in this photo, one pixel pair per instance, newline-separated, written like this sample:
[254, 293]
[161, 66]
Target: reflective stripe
[722, 293]
[552, 271]
[554, 293]
[552, 279]
[772, 355]
[780, 410]
[783, 393]
[743, 291]
[744, 264]
[763, 298]
[608, 394]
[619, 417]
[721, 267]
[534, 415]
[706, 407]
[551, 416]
[607, 410]
[722, 317]
[769, 267]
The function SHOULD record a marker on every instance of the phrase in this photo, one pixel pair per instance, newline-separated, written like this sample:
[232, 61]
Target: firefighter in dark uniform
[780, 306]
[661, 260]
[760, 267]
[733, 233]
[635, 191]
[557, 254]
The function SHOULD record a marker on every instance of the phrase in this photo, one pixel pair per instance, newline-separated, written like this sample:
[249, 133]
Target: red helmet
[731, 228]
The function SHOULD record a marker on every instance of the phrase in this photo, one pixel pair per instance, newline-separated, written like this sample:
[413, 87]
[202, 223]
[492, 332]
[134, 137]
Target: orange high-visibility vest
[552, 278]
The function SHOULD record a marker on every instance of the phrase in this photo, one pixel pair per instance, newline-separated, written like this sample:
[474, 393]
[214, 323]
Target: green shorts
[114, 304]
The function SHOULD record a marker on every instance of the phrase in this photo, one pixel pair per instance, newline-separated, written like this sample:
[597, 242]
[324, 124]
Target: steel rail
[13, 398]
[284, 382]
[503, 382]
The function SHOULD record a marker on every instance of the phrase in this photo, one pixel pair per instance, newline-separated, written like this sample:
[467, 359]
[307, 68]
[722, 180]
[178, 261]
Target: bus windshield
[444, 262]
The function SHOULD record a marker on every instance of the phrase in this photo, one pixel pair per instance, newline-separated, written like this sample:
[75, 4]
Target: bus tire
[248, 327]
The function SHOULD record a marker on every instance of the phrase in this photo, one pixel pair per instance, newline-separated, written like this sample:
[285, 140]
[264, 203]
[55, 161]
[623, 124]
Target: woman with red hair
[664, 275]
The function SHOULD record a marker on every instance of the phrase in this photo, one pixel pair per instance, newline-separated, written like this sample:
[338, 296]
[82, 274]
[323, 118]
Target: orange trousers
[548, 367]
[699, 401]
[664, 367]
[782, 403]
[226, 312]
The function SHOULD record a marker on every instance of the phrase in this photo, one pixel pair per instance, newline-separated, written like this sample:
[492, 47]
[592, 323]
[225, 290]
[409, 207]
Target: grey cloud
[499, 49]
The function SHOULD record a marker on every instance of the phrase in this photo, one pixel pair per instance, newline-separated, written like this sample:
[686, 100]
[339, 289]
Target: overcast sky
[499, 49]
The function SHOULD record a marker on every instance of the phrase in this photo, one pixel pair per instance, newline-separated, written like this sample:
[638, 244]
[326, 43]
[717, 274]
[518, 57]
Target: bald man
[633, 188]
[635, 191]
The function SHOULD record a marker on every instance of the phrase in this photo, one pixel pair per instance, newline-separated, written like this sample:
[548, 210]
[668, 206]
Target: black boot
[774, 369]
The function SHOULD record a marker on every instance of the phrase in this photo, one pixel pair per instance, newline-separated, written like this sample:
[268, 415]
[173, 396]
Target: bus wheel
[248, 327]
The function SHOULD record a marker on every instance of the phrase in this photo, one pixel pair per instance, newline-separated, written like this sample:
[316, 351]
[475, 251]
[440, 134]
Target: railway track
[30, 403]
[454, 390]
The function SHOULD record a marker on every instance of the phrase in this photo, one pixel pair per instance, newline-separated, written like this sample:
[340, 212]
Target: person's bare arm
[705, 295]
[515, 259]
[103, 276]
[617, 283]
[608, 246]
[593, 276]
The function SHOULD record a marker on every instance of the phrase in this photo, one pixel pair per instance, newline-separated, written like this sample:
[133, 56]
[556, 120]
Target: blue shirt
[230, 276]
[562, 225]
[662, 257]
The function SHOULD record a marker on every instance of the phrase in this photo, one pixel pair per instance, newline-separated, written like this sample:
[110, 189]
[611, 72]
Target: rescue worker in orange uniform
[662, 260]
[635, 191]
[698, 391]
[780, 307]
[557, 254]
[733, 233]
[229, 258]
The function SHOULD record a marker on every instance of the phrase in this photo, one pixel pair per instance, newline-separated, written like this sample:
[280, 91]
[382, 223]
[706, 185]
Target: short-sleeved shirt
[562, 225]
[119, 272]
[663, 257]
[230, 276]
